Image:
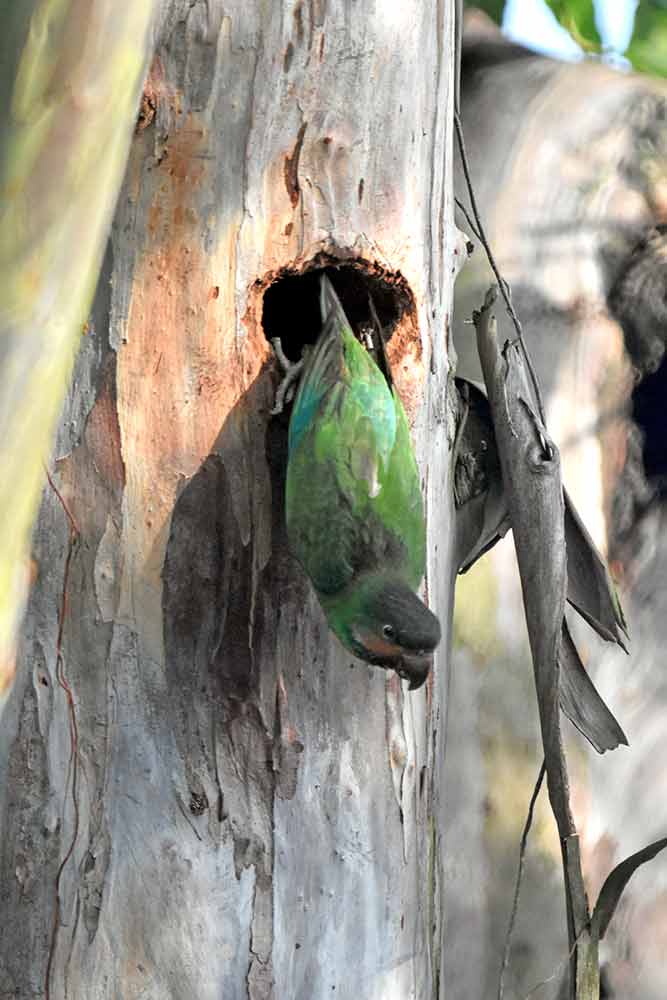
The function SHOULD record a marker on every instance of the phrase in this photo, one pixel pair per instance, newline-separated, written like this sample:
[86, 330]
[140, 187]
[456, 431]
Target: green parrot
[355, 518]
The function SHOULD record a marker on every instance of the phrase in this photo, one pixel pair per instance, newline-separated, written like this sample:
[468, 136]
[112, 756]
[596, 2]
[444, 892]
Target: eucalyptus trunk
[204, 795]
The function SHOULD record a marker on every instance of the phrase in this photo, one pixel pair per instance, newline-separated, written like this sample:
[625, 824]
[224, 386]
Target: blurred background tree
[623, 32]
[569, 164]
[70, 80]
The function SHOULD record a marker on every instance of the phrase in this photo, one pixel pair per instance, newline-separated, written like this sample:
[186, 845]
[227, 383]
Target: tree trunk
[201, 797]
[566, 189]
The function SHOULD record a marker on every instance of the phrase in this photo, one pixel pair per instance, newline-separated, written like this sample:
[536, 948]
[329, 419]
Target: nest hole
[649, 411]
[291, 308]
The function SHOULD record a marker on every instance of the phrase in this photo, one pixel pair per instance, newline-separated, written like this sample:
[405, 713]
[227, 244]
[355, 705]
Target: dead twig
[502, 284]
[530, 467]
[517, 885]
[542, 518]
[466, 214]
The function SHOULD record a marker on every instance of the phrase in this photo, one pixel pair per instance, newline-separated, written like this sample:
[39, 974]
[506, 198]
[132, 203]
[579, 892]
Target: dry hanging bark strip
[546, 527]
[482, 518]
[590, 589]
[530, 466]
[615, 883]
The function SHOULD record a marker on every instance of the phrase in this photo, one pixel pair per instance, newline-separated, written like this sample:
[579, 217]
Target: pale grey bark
[253, 817]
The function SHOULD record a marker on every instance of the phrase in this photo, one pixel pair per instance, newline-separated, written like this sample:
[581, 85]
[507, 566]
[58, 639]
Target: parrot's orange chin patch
[378, 646]
[413, 666]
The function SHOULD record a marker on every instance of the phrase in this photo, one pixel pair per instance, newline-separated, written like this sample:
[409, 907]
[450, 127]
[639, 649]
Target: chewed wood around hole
[291, 304]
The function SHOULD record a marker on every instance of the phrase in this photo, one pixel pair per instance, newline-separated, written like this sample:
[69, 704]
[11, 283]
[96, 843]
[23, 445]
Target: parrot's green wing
[399, 505]
[353, 498]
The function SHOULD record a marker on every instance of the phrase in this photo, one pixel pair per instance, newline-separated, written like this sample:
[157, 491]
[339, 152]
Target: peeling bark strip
[529, 462]
[482, 518]
[537, 507]
[531, 476]
[240, 778]
[566, 190]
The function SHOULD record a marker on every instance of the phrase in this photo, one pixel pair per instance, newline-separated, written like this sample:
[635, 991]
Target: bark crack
[292, 167]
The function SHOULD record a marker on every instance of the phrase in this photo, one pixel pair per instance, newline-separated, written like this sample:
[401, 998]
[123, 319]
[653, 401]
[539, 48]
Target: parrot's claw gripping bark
[292, 370]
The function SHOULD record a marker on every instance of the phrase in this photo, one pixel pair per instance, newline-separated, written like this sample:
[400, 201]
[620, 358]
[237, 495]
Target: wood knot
[198, 803]
[147, 109]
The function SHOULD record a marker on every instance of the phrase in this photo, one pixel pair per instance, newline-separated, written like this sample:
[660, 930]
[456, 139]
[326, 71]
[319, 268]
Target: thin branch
[519, 875]
[458, 39]
[536, 508]
[502, 284]
[558, 971]
[473, 228]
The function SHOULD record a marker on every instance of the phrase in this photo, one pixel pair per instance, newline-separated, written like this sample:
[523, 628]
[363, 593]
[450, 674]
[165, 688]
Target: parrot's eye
[389, 631]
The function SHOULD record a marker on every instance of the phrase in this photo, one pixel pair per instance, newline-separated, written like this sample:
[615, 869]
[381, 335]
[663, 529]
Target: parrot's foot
[287, 387]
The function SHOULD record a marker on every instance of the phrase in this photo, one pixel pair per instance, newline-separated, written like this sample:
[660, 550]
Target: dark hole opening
[291, 308]
[649, 411]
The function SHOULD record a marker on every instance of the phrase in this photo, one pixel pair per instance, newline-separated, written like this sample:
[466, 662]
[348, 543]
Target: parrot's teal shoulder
[342, 375]
[353, 492]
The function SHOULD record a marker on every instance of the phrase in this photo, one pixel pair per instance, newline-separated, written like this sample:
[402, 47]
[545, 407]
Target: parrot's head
[390, 627]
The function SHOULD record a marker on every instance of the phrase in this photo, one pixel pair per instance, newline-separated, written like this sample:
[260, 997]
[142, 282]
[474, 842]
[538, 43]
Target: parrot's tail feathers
[581, 702]
[380, 350]
[326, 359]
[330, 307]
[322, 365]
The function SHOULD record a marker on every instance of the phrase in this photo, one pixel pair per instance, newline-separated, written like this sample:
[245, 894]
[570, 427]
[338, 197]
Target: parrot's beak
[415, 667]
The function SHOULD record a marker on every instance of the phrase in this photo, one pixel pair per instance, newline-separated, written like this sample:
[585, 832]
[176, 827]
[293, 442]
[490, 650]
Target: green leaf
[616, 883]
[494, 8]
[648, 47]
[578, 18]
